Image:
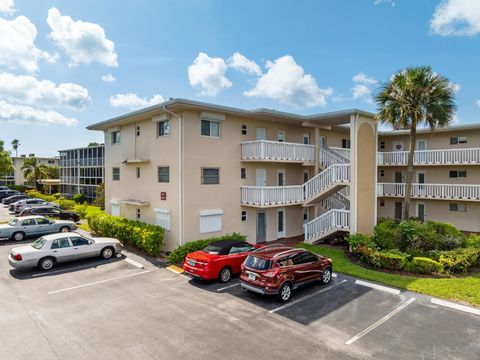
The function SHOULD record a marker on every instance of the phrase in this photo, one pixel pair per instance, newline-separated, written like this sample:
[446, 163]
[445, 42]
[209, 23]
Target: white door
[322, 142]
[280, 223]
[261, 133]
[115, 209]
[421, 211]
[421, 144]
[280, 177]
[261, 177]
[398, 146]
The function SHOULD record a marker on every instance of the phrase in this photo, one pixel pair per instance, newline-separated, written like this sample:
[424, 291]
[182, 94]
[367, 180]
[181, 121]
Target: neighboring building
[446, 184]
[200, 170]
[17, 177]
[81, 171]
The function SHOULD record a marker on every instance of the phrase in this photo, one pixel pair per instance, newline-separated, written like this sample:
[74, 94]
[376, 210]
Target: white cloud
[108, 78]
[363, 79]
[17, 45]
[84, 42]
[362, 90]
[287, 83]
[456, 17]
[391, 2]
[478, 103]
[26, 114]
[42, 93]
[132, 101]
[208, 73]
[455, 87]
[240, 63]
[7, 7]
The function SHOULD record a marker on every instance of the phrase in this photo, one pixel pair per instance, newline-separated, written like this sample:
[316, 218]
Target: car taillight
[17, 257]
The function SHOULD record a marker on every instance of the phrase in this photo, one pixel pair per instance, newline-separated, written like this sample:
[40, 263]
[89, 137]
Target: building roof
[328, 118]
[84, 147]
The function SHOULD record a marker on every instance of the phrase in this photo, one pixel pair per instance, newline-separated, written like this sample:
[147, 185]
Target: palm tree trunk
[408, 183]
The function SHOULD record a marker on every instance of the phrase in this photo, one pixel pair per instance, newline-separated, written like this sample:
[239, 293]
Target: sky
[67, 64]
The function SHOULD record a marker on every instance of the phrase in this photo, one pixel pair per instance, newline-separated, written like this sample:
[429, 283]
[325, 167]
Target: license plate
[191, 263]
[252, 276]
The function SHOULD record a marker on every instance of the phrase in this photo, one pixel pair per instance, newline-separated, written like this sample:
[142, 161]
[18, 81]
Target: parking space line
[378, 287]
[305, 297]
[97, 282]
[228, 287]
[134, 263]
[455, 306]
[380, 322]
[70, 269]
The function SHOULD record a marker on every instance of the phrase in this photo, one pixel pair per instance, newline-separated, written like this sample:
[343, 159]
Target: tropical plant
[100, 196]
[6, 164]
[33, 172]
[15, 144]
[415, 96]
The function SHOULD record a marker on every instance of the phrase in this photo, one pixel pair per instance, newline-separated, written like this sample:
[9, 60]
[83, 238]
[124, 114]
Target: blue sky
[305, 57]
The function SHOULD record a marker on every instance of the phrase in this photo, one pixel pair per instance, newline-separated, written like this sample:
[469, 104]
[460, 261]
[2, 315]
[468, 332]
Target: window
[116, 137]
[210, 128]
[382, 203]
[210, 176]
[346, 143]
[244, 130]
[79, 241]
[138, 172]
[139, 214]
[115, 174]
[243, 173]
[382, 172]
[162, 218]
[28, 222]
[210, 221]
[42, 221]
[244, 216]
[382, 145]
[163, 128]
[305, 214]
[458, 173]
[458, 207]
[281, 136]
[458, 140]
[306, 139]
[237, 249]
[138, 130]
[60, 243]
[51, 161]
[163, 174]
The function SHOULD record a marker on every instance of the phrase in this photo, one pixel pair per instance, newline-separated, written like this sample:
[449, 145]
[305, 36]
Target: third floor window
[163, 128]
[116, 137]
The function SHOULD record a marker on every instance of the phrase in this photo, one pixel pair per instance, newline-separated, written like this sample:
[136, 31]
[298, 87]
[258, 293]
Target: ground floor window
[458, 207]
[210, 221]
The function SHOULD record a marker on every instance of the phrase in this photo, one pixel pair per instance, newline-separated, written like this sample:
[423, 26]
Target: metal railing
[332, 220]
[431, 157]
[276, 150]
[432, 191]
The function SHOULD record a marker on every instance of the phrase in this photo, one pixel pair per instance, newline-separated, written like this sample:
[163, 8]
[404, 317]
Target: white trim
[160, 118]
[283, 233]
[211, 116]
[113, 129]
[211, 212]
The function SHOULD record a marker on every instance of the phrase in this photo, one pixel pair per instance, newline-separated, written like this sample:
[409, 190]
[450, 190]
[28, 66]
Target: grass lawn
[465, 289]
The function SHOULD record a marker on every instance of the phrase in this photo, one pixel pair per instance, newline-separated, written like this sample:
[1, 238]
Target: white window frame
[244, 130]
[306, 136]
[113, 173]
[244, 216]
[463, 205]
[210, 221]
[163, 218]
[114, 140]
[167, 130]
[210, 129]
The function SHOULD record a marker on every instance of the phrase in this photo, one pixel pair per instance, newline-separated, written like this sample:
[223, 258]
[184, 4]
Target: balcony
[264, 150]
[431, 157]
[431, 191]
[271, 196]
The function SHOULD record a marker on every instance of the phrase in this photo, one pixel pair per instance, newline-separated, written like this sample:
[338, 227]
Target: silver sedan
[51, 249]
[18, 228]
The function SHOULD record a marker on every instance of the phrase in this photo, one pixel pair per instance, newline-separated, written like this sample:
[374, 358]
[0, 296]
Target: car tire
[285, 292]
[326, 275]
[47, 263]
[107, 253]
[64, 229]
[225, 274]
[18, 236]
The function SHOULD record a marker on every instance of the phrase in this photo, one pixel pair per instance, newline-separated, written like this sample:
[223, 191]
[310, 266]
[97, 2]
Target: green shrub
[423, 265]
[84, 209]
[458, 260]
[65, 204]
[21, 188]
[178, 255]
[472, 241]
[448, 236]
[79, 198]
[149, 238]
[365, 253]
[389, 260]
[356, 240]
[387, 234]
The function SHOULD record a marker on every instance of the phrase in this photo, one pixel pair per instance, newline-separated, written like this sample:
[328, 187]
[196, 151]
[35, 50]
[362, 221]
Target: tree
[52, 172]
[6, 164]
[15, 144]
[100, 196]
[413, 97]
[33, 172]
[93, 144]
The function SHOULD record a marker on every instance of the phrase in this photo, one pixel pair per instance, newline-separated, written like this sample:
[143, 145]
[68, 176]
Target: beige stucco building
[17, 177]
[200, 170]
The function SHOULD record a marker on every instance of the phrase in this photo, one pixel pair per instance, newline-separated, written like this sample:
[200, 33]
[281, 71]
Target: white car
[56, 248]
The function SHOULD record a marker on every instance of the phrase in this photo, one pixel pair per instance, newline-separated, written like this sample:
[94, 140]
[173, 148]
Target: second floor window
[346, 143]
[164, 174]
[458, 173]
[116, 137]
[115, 174]
[163, 128]
[458, 140]
[210, 128]
[244, 130]
[210, 176]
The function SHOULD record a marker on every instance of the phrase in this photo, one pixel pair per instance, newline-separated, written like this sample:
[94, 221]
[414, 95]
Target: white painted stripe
[456, 306]
[97, 282]
[228, 287]
[305, 297]
[334, 275]
[380, 322]
[134, 263]
[68, 269]
[378, 287]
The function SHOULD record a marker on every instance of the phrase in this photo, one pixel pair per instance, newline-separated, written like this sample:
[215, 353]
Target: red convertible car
[218, 260]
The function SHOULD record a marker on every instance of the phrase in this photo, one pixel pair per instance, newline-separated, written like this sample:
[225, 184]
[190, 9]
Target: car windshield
[13, 222]
[39, 243]
[257, 263]
[212, 249]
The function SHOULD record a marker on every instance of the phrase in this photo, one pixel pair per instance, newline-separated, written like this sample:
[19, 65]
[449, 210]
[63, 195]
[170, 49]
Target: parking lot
[129, 308]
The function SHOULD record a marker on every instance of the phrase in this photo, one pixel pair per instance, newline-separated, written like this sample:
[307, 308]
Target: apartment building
[446, 185]
[81, 171]
[17, 177]
[201, 169]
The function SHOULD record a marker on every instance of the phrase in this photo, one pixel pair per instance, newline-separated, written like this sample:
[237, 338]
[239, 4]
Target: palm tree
[413, 97]
[15, 145]
[34, 172]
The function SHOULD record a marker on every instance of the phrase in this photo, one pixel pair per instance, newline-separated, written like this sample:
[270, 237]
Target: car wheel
[326, 275]
[285, 292]
[107, 253]
[225, 275]
[64, 229]
[46, 264]
[18, 236]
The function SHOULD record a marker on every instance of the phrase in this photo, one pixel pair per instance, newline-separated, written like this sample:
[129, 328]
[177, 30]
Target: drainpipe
[180, 172]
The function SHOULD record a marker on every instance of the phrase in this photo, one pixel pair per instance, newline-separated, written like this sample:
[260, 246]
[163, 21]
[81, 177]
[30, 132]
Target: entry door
[261, 227]
[261, 177]
[281, 178]
[261, 133]
[421, 211]
[322, 142]
[398, 210]
[421, 180]
[306, 138]
[398, 177]
[421, 145]
[280, 223]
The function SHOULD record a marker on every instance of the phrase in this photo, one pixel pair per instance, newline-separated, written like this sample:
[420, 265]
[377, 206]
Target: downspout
[180, 173]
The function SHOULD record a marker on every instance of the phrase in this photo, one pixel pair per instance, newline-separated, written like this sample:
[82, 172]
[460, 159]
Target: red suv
[279, 270]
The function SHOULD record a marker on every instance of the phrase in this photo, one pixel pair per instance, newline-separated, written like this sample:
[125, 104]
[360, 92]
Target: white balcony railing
[272, 195]
[432, 191]
[334, 174]
[277, 151]
[321, 225]
[431, 157]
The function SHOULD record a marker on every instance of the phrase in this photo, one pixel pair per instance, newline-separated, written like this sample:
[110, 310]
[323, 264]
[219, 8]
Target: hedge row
[65, 204]
[178, 255]
[146, 237]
